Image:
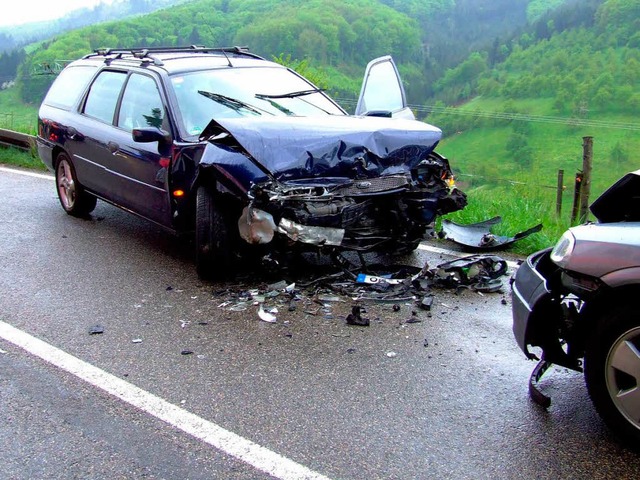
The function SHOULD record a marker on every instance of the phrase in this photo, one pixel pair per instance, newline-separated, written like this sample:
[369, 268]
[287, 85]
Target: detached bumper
[529, 288]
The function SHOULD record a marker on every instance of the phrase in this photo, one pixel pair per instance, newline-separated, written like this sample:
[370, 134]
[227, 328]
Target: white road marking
[224, 440]
[27, 174]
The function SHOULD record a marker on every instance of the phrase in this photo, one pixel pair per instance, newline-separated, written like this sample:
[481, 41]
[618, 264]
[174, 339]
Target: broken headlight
[561, 253]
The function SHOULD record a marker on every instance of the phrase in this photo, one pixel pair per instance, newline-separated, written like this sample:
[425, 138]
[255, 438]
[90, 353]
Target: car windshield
[240, 92]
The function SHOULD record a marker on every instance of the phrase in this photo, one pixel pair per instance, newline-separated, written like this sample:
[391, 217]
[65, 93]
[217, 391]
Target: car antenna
[227, 57]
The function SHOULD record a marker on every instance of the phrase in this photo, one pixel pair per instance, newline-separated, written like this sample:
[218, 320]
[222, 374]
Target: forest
[336, 37]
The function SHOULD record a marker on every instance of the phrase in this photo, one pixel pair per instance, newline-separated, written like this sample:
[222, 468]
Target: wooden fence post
[585, 189]
[576, 197]
[559, 192]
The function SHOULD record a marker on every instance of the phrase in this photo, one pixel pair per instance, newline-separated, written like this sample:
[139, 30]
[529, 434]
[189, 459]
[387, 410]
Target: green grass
[479, 154]
[16, 115]
[497, 185]
[20, 158]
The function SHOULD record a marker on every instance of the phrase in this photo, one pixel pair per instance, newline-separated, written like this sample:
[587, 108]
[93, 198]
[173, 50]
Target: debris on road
[478, 236]
[426, 302]
[355, 317]
[265, 316]
[318, 291]
[96, 330]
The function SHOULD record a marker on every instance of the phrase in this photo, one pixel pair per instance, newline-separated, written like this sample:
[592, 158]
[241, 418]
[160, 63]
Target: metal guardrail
[17, 139]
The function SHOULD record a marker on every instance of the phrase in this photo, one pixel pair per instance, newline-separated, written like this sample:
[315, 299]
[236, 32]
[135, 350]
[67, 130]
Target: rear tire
[73, 197]
[612, 372]
[212, 238]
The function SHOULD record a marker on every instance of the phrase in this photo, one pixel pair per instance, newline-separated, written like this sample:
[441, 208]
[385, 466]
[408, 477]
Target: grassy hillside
[520, 120]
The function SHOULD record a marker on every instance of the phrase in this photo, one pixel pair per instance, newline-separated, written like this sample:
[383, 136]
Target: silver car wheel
[66, 185]
[623, 375]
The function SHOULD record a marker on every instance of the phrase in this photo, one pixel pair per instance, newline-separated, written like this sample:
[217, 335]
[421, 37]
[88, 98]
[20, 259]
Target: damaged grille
[373, 185]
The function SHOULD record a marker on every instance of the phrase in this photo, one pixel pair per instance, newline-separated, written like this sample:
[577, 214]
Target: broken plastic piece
[355, 317]
[266, 316]
[372, 280]
[473, 269]
[96, 330]
[479, 236]
[427, 302]
[281, 285]
[256, 226]
[329, 298]
[534, 390]
[489, 286]
[312, 235]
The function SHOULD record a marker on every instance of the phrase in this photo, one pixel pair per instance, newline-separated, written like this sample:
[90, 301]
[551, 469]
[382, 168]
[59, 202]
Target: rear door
[130, 174]
[382, 93]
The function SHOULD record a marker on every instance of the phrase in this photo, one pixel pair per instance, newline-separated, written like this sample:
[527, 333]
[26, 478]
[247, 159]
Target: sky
[25, 11]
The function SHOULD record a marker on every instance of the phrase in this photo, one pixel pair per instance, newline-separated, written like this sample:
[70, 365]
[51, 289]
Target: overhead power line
[523, 117]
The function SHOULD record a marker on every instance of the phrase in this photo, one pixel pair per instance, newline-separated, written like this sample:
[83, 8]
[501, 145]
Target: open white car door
[382, 93]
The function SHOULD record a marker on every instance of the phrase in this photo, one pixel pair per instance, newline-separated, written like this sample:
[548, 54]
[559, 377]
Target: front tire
[612, 372]
[73, 197]
[212, 238]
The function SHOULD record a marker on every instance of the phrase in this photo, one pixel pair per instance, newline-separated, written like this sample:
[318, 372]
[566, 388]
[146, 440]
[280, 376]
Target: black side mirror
[379, 113]
[151, 134]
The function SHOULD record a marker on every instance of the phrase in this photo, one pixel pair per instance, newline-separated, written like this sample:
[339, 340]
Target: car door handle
[71, 133]
[113, 147]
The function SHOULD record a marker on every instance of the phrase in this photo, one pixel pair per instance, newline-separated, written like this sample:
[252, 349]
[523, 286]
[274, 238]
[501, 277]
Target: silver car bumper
[529, 287]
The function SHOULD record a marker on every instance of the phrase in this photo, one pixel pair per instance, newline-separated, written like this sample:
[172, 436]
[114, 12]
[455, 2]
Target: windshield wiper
[229, 102]
[300, 93]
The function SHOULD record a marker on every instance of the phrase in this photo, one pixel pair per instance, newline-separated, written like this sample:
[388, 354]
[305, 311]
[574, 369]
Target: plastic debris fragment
[96, 330]
[478, 235]
[355, 317]
[266, 316]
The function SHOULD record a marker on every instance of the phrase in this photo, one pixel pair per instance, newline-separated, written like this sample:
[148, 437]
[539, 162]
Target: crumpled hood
[333, 146]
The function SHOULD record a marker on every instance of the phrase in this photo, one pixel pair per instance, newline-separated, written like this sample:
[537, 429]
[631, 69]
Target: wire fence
[522, 117]
[18, 123]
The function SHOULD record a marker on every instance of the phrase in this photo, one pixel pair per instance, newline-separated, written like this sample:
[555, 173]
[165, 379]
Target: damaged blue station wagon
[244, 151]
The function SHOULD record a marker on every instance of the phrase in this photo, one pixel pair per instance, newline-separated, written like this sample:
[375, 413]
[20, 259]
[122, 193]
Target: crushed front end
[385, 213]
[351, 183]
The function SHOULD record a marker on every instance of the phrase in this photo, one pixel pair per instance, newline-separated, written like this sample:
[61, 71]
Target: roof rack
[147, 53]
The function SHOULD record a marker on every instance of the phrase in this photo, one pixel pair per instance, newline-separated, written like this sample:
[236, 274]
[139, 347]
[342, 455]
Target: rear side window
[103, 95]
[70, 84]
[141, 104]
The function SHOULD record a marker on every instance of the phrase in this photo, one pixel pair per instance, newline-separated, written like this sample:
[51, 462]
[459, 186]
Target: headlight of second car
[561, 253]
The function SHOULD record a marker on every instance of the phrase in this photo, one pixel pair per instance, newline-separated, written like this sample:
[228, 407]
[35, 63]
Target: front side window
[103, 95]
[141, 104]
[245, 92]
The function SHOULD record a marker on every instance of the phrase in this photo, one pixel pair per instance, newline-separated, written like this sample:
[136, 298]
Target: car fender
[624, 277]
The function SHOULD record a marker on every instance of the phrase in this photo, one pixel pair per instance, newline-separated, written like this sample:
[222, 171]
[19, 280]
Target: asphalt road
[331, 398]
